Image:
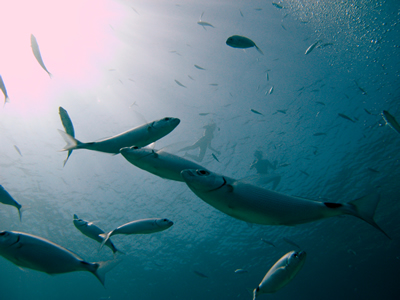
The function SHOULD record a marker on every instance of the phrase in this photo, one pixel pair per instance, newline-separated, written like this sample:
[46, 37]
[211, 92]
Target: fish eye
[2, 233]
[202, 172]
[135, 147]
[165, 220]
[167, 119]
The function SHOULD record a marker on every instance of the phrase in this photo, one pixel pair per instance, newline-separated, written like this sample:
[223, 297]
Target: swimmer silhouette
[202, 143]
[262, 167]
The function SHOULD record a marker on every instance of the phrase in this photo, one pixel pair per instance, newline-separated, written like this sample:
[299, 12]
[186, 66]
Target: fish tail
[364, 208]
[6, 100]
[65, 161]
[105, 237]
[72, 143]
[99, 269]
[20, 213]
[259, 50]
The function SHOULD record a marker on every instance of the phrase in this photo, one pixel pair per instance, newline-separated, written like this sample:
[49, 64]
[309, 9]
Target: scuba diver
[202, 143]
[262, 167]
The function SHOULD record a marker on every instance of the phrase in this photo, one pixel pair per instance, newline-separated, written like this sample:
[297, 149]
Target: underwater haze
[312, 104]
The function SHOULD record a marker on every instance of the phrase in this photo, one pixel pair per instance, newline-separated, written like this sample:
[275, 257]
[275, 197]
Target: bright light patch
[73, 38]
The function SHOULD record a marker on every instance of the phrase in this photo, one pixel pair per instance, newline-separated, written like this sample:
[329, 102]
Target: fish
[200, 274]
[284, 165]
[198, 67]
[283, 27]
[282, 111]
[277, 5]
[68, 127]
[7, 199]
[158, 162]
[291, 243]
[204, 24]
[281, 273]
[238, 41]
[390, 120]
[4, 90]
[304, 172]
[213, 84]
[33, 252]
[180, 84]
[139, 136]
[38, 56]
[367, 111]
[268, 242]
[190, 77]
[311, 47]
[325, 45]
[257, 205]
[213, 155]
[241, 271]
[203, 114]
[360, 88]
[241, 12]
[319, 102]
[16, 148]
[267, 76]
[256, 112]
[319, 134]
[346, 117]
[92, 231]
[144, 226]
[271, 90]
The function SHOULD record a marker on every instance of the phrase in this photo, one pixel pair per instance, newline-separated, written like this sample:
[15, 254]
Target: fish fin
[258, 49]
[99, 269]
[72, 143]
[230, 188]
[75, 217]
[65, 161]
[6, 100]
[364, 208]
[105, 237]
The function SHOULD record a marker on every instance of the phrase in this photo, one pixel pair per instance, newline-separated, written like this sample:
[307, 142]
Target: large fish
[281, 273]
[33, 252]
[238, 41]
[36, 52]
[92, 231]
[389, 119]
[6, 198]
[253, 204]
[143, 226]
[67, 124]
[159, 162]
[139, 136]
[4, 90]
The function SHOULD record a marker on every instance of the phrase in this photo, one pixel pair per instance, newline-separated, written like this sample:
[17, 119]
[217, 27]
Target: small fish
[304, 172]
[283, 27]
[241, 13]
[33, 252]
[7, 199]
[367, 111]
[203, 114]
[178, 83]
[133, 104]
[360, 88]
[271, 90]
[319, 134]
[258, 9]
[325, 45]
[268, 242]
[213, 155]
[373, 170]
[200, 274]
[213, 84]
[282, 111]
[256, 112]
[143, 226]
[202, 23]
[69, 128]
[190, 77]
[284, 165]
[267, 75]
[311, 48]
[319, 102]
[345, 117]
[390, 120]
[19, 151]
[277, 5]
[4, 90]
[281, 273]
[198, 67]
[36, 52]
[238, 41]
[241, 271]
[291, 243]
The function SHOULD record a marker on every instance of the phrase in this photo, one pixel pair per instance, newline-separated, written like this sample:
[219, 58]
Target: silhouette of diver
[262, 166]
[202, 143]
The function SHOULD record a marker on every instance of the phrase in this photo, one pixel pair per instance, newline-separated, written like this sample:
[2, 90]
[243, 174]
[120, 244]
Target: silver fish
[345, 117]
[92, 231]
[391, 121]
[238, 41]
[16, 148]
[180, 84]
[159, 162]
[277, 5]
[4, 90]
[198, 67]
[33, 252]
[143, 226]
[202, 23]
[255, 111]
[241, 271]
[281, 273]
[253, 204]
[311, 48]
[67, 124]
[36, 52]
[139, 136]
[6, 198]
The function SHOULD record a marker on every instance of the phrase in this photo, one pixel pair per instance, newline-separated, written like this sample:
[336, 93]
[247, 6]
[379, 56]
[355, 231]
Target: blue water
[357, 71]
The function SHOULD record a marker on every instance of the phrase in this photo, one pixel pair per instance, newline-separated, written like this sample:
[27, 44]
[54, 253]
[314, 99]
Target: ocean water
[114, 66]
